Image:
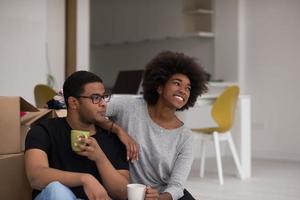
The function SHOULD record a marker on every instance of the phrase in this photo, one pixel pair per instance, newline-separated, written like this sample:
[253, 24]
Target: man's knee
[56, 190]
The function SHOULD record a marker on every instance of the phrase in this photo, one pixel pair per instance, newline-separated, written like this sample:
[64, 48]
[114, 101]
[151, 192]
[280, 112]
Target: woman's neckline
[157, 125]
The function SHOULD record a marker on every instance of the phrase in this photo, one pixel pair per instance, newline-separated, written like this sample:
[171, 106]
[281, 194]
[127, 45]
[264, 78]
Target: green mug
[75, 136]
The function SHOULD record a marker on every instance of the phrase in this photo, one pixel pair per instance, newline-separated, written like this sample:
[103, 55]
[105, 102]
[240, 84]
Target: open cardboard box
[13, 130]
[13, 182]
[30, 119]
[13, 127]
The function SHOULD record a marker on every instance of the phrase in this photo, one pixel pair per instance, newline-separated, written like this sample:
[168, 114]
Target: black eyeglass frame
[96, 98]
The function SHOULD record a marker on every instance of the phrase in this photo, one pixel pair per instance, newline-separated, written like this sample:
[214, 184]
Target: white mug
[136, 191]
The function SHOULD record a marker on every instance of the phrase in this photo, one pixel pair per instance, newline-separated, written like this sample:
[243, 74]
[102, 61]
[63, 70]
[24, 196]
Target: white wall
[56, 40]
[22, 49]
[27, 29]
[272, 76]
[83, 35]
[226, 40]
[257, 43]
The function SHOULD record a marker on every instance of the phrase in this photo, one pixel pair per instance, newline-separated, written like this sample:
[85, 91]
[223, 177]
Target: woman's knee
[187, 196]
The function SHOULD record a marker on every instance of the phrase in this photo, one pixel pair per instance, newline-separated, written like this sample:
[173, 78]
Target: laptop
[128, 82]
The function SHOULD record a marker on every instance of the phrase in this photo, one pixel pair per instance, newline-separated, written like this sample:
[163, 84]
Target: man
[99, 171]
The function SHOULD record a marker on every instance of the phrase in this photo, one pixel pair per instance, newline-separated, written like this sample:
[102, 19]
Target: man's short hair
[74, 84]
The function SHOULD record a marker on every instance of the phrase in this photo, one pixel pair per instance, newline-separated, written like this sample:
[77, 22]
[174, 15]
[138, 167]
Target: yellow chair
[223, 113]
[42, 94]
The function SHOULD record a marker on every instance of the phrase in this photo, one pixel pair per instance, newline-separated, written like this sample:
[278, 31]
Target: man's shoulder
[40, 133]
[107, 137]
[105, 133]
[50, 123]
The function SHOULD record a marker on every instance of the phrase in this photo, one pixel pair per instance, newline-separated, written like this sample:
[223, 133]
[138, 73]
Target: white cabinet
[198, 17]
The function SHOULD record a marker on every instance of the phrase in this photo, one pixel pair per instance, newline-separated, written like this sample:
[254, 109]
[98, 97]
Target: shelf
[200, 34]
[203, 34]
[221, 83]
[198, 11]
[197, 4]
[198, 17]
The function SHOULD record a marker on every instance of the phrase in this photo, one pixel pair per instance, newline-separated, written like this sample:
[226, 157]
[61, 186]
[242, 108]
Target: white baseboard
[276, 155]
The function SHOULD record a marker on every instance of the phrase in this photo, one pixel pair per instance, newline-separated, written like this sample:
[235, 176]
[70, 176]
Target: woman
[172, 82]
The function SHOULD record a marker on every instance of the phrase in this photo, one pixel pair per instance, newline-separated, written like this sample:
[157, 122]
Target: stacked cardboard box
[13, 182]
[16, 118]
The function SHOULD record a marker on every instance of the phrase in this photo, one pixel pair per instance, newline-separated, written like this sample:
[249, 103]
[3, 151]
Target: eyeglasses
[96, 98]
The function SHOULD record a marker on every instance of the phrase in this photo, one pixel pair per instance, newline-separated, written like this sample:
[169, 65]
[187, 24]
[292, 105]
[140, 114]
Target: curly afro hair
[163, 66]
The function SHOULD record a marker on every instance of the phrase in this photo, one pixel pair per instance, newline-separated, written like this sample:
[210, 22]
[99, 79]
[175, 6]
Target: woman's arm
[181, 169]
[132, 147]
[153, 194]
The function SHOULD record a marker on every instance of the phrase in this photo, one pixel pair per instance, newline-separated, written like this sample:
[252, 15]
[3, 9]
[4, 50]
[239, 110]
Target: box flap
[61, 112]
[32, 117]
[25, 106]
[9, 123]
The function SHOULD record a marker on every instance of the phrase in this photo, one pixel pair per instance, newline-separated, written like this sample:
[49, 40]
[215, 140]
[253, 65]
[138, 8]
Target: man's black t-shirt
[53, 137]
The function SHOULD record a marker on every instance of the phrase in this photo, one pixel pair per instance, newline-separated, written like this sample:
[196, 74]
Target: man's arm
[40, 175]
[114, 181]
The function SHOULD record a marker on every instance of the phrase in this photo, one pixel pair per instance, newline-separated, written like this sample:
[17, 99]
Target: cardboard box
[13, 127]
[60, 113]
[13, 181]
[31, 119]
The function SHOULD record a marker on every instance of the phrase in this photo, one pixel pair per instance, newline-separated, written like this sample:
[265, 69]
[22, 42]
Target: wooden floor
[271, 180]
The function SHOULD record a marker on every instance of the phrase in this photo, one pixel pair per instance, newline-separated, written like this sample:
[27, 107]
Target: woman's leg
[55, 190]
[186, 196]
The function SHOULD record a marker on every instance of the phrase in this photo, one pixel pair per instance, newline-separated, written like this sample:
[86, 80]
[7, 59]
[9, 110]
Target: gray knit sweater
[165, 156]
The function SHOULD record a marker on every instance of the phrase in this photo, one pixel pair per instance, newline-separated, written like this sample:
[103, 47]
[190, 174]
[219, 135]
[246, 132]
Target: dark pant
[186, 196]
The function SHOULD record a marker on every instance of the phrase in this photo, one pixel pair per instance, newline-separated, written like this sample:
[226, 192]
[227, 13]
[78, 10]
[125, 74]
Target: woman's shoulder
[187, 134]
[127, 99]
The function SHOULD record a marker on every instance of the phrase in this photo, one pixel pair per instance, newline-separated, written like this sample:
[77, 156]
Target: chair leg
[202, 162]
[218, 157]
[235, 156]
